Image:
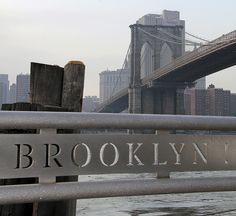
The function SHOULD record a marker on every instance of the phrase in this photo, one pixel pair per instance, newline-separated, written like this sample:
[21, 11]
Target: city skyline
[97, 33]
[16, 92]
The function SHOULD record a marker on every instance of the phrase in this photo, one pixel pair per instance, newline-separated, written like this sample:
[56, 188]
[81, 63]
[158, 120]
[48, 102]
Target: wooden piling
[52, 88]
[73, 85]
[46, 84]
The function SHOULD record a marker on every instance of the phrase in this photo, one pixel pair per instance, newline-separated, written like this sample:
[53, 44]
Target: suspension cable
[179, 38]
[197, 37]
[123, 67]
[171, 35]
[190, 43]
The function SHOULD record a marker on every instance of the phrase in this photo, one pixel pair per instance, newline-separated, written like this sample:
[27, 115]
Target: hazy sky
[97, 32]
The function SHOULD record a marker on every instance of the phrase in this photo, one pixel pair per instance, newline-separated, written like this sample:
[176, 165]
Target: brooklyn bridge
[162, 90]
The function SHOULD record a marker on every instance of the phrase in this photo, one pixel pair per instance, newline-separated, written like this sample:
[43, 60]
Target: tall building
[198, 101]
[187, 101]
[22, 87]
[12, 93]
[4, 88]
[90, 103]
[233, 104]
[110, 82]
[211, 101]
[167, 18]
[200, 83]
[217, 101]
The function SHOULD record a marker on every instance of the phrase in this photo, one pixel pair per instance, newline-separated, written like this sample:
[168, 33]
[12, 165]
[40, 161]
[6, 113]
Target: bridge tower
[157, 97]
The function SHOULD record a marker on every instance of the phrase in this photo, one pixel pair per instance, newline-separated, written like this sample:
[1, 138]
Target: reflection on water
[180, 211]
[218, 203]
[163, 211]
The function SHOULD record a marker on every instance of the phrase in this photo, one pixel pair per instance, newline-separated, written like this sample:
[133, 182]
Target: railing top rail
[66, 120]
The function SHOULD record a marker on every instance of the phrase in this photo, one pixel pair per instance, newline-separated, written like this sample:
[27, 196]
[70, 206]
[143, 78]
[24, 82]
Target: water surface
[217, 203]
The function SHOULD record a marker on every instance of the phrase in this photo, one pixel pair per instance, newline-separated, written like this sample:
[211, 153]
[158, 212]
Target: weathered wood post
[73, 86]
[46, 84]
[63, 88]
[52, 88]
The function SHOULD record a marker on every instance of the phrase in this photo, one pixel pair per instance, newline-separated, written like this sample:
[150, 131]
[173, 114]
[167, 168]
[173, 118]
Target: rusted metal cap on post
[75, 62]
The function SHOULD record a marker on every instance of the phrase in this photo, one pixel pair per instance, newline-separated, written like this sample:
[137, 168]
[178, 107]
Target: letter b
[20, 156]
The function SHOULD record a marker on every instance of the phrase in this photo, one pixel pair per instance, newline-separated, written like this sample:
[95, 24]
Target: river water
[217, 203]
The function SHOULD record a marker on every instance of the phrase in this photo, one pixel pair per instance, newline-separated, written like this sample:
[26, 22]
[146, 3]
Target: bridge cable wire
[119, 77]
[169, 34]
[199, 38]
[181, 39]
[155, 36]
[190, 43]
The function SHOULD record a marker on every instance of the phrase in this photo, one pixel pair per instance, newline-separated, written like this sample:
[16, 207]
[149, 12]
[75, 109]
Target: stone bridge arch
[166, 55]
[156, 37]
[147, 59]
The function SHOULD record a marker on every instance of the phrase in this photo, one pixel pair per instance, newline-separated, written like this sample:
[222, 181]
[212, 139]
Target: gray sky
[97, 32]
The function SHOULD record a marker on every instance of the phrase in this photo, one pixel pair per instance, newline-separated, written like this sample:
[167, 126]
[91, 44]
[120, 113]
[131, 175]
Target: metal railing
[48, 122]
[66, 120]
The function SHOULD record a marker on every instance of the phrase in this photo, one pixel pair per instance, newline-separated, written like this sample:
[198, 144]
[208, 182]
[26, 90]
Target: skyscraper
[198, 101]
[217, 101]
[111, 82]
[200, 83]
[211, 101]
[90, 103]
[4, 88]
[12, 93]
[22, 87]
